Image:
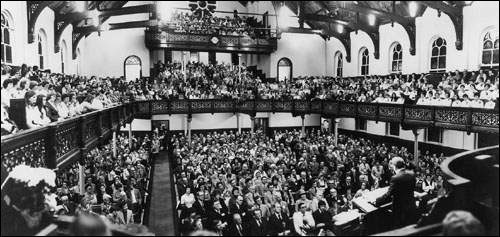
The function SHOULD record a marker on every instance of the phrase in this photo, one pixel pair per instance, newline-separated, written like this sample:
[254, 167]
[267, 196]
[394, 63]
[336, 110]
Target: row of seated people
[53, 97]
[251, 184]
[209, 25]
[200, 81]
[114, 187]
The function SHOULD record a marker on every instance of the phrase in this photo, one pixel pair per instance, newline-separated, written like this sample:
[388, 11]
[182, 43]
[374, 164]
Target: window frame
[399, 60]
[339, 64]
[439, 57]
[495, 38]
[364, 68]
[7, 46]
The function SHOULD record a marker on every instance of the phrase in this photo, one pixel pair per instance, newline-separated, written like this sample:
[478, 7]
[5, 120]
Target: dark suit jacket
[52, 112]
[255, 230]
[275, 225]
[323, 217]
[231, 230]
[202, 211]
[403, 199]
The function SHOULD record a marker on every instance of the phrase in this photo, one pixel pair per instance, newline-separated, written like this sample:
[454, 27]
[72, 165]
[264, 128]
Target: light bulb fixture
[413, 7]
[371, 19]
[94, 15]
[340, 28]
[79, 6]
[104, 27]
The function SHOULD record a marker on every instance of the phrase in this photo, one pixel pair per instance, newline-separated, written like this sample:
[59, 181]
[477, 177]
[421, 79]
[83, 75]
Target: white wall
[451, 138]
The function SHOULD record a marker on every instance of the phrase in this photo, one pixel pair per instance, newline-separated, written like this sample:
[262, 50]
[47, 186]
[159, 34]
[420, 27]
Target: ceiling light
[94, 15]
[413, 7]
[468, 2]
[104, 27]
[340, 28]
[79, 6]
[371, 19]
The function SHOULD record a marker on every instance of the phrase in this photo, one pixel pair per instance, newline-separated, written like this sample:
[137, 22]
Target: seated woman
[8, 126]
[61, 106]
[41, 103]
[33, 114]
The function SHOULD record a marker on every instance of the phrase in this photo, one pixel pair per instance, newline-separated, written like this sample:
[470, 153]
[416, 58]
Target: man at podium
[401, 193]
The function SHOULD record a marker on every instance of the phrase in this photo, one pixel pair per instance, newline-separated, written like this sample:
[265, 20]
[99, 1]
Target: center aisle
[161, 215]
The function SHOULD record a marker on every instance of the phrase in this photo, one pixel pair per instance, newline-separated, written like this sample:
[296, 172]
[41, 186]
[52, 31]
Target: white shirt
[298, 222]
[188, 200]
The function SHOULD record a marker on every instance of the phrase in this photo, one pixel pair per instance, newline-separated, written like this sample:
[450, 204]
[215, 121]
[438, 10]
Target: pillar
[415, 147]
[252, 124]
[335, 123]
[81, 178]
[114, 144]
[238, 122]
[189, 119]
[303, 131]
[130, 135]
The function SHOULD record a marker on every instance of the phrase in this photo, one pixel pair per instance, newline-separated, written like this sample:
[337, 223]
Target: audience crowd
[115, 188]
[233, 183]
[208, 24]
[51, 97]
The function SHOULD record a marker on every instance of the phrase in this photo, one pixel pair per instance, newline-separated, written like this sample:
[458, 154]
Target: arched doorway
[284, 69]
[132, 68]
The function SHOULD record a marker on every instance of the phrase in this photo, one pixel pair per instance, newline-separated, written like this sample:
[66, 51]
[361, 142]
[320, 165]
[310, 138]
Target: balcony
[221, 43]
[59, 144]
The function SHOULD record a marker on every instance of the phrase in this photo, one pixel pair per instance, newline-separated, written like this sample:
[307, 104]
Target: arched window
[364, 61]
[397, 58]
[6, 39]
[41, 42]
[63, 55]
[490, 49]
[438, 55]
[338, 64]
[284, 69]
[132, 68]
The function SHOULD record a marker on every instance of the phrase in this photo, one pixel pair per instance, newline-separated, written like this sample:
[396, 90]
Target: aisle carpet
[161, 215]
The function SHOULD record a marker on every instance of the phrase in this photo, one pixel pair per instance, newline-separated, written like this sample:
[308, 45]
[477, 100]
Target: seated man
[323, 218]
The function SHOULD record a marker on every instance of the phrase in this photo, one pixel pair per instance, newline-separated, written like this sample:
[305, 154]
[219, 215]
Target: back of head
[89, 225]
[462, 223]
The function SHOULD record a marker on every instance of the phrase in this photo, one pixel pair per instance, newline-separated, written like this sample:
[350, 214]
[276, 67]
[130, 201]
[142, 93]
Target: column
[303, 131]
[238, 122]
[81, 178]
[335, 123]
[189, 119]
[252, 124]
[239, 67]
[415, 147]
[114, 144]
[130, 135]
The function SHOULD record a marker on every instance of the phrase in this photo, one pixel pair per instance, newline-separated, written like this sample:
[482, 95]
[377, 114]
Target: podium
[376, 219]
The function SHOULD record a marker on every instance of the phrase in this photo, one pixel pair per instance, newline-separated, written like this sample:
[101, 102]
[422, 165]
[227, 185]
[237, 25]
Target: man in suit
[236, 227]
[217, 214]
[200, 206]
[277, 224]
[237, 207]
[323, 218]
[401, 192]
[256, 225]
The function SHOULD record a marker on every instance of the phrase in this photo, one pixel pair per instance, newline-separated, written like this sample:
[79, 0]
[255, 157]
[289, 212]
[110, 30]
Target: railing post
[415, 147]
[99, 127]
[189, 119]
[50, 147]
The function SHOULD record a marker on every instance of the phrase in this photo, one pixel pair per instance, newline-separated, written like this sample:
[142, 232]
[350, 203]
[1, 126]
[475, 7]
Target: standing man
[401, 192]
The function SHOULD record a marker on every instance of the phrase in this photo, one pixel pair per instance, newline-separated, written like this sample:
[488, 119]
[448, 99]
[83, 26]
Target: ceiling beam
[148, 8]
[34, 9]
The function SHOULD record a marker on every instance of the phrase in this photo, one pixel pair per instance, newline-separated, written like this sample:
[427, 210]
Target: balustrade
[60, 143]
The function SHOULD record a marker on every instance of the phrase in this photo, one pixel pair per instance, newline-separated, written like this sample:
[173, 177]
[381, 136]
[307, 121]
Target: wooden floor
[162, 211]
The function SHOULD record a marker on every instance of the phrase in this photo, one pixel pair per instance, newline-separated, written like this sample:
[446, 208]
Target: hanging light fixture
[371, 19]
[413, 7]
[340, 28]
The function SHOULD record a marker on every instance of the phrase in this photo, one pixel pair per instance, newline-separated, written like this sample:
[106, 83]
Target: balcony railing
[61, 143]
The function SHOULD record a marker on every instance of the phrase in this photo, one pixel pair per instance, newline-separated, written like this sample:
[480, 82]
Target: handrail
[412, 230]
[58, 144]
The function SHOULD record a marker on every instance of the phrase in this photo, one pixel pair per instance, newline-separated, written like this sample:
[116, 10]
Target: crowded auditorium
[249, 118]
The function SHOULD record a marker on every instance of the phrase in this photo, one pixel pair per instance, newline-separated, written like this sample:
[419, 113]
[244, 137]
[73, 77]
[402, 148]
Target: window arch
[7, 43]
[63, 52]
[364, 61]
[132, 68]
[284, 69]
[339, 64]
[489, 54]
[396, 57]
[438, 55]
[42, 49]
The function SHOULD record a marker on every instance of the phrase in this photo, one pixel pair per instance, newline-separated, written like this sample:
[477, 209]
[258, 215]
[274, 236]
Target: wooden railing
[61, 143]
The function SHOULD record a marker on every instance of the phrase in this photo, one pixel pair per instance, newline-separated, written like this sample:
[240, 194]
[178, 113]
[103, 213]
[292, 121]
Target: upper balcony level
[61, 143]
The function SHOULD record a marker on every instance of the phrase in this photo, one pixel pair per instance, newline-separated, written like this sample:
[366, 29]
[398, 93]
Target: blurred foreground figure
[462, 223]
[89, 225]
